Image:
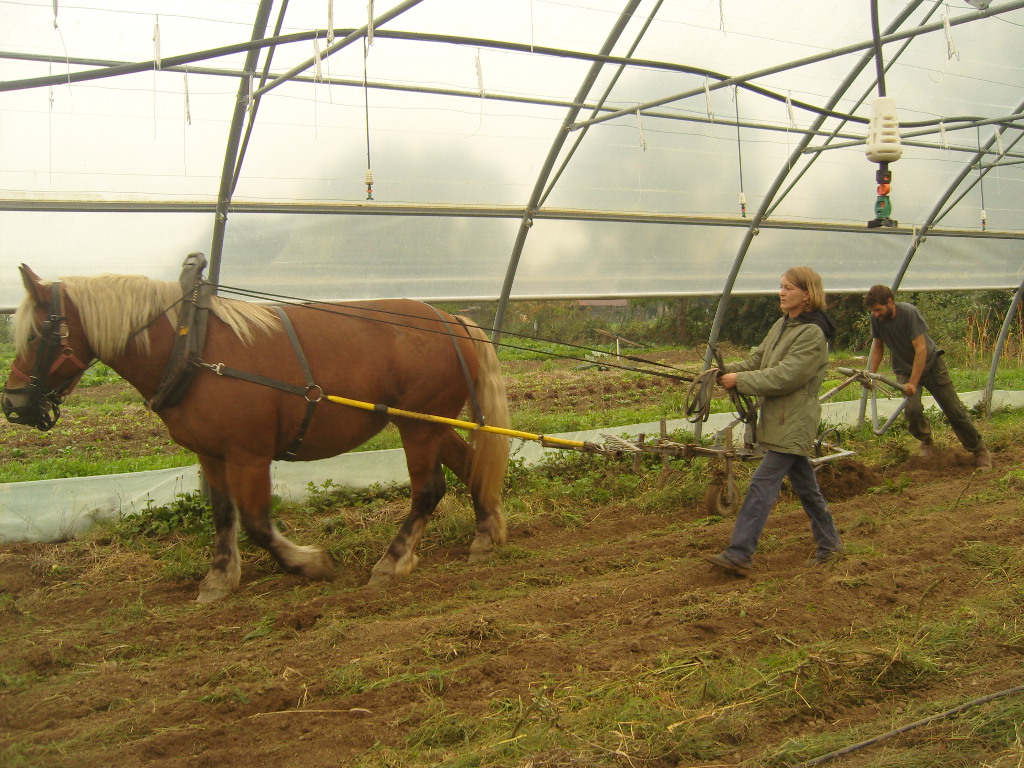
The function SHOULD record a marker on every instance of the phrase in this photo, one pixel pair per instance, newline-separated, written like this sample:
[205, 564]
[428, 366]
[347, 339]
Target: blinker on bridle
[43, 407]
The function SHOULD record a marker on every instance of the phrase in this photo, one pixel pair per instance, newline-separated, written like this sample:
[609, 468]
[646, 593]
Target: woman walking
[786, 372]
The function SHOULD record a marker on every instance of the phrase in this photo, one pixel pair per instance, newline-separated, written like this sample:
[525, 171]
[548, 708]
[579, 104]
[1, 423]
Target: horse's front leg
[250, 489]
[426, 480]
[226, 570]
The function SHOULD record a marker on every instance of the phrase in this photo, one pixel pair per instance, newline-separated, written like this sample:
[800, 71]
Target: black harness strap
[190, 335]
[289, 452]
[311, 391]
[478, 415]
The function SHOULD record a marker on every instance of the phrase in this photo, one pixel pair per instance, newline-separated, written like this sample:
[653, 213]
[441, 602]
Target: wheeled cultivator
[721, 496]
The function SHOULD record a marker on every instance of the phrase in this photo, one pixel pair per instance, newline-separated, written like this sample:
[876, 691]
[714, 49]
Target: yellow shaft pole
[453, 422]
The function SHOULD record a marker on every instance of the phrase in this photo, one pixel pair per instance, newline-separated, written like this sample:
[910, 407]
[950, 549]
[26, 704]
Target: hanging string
[721, 15]
[369, 23]
[156, 43]
[640, 128]
[184, 127]
[188, 109]
[330, 40]
[156, 66]
[67, 59]
[981, 182]
[531, 30]
[49, 125]
[480, 90]
[366, 108]
[791, 127]
[739, 150]
[951, 50]
[942, 136]
[707, 101]
[317, 78]
[479, 74]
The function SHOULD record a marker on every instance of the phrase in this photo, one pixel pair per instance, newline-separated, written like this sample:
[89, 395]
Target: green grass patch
[69, 466]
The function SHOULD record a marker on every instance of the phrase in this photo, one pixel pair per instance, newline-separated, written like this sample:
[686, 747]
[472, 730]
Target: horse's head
[46, 366]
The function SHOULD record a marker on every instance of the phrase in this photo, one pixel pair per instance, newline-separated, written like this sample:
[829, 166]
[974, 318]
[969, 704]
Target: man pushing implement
[918, 363]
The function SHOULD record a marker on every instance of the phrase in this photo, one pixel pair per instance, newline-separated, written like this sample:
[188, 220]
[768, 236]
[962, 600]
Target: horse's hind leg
[250, 488]
[426, 480]
[226, 570]
[457, 455]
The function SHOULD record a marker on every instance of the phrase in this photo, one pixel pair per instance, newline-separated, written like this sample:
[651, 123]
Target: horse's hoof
[481, 549]
[212, 594]
[378, 578]
[322, 571]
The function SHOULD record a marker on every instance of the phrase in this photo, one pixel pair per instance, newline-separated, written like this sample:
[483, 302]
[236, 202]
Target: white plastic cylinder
[883, 140]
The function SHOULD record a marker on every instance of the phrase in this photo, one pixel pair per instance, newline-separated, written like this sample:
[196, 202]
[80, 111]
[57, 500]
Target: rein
[295, 301]
[699, 395]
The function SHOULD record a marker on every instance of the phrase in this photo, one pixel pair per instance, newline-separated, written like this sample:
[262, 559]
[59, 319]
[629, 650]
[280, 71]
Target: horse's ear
[34, 285]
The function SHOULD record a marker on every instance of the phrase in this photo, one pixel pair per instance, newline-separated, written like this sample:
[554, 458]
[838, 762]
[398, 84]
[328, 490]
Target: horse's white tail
[490, 451]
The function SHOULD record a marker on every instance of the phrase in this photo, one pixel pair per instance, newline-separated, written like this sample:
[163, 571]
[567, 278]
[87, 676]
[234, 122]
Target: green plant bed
[71, 466]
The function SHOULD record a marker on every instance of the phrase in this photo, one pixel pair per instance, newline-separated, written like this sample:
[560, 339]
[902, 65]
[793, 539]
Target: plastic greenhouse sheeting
[536, 148]
[57, 509]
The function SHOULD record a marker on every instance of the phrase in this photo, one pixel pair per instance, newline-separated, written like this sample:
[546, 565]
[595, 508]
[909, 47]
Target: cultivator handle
[870, 381]
[870, 377]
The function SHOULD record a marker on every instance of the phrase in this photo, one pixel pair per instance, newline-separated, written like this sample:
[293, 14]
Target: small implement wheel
[716, 500]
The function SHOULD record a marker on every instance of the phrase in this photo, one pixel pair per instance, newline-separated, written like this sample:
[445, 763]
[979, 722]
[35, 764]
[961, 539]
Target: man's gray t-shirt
[898, 336]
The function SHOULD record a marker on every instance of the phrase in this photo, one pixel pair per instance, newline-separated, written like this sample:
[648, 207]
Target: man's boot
[982, 459]
[927, 449]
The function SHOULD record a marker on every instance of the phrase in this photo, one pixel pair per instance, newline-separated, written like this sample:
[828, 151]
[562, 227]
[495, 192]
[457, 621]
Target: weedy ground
[597, 636]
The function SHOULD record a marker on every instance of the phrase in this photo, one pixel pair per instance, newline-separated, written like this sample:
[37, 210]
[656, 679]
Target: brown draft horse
[237, 427]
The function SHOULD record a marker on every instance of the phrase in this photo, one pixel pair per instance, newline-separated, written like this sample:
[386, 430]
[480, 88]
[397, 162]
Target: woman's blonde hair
[806, 279]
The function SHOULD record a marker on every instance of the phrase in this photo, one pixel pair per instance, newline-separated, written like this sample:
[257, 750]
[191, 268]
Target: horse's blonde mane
[117, 309]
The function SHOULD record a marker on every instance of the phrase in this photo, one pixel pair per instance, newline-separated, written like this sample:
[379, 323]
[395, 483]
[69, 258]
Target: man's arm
[876, 355]
[920, 357]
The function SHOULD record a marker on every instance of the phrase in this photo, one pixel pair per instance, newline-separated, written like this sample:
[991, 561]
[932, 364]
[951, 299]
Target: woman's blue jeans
[764, 490]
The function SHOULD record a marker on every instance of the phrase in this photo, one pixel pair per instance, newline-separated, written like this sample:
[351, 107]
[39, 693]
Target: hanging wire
[883, 176]
[366, 111]
[981, 182]
[156, 67]
[739, 152]
[185, 124]
[877, 40]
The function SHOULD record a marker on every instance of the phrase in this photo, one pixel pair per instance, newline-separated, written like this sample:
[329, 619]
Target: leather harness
[186, 355]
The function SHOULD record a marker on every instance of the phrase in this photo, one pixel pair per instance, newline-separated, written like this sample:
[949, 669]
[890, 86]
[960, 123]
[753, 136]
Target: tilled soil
[107, 659]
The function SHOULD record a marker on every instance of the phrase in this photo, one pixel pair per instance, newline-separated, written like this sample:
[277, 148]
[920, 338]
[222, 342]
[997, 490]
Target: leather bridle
[42, 410]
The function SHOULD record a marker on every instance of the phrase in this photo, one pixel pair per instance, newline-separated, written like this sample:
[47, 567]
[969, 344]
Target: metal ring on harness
[320, 393]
